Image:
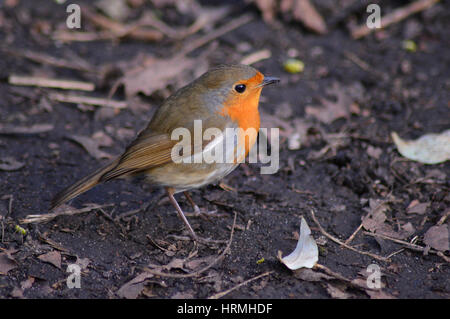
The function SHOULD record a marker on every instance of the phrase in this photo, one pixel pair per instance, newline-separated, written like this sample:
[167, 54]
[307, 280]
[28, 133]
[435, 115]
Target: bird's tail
[81, 186]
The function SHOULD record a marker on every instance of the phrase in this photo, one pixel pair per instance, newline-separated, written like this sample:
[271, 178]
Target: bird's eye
[240, 88]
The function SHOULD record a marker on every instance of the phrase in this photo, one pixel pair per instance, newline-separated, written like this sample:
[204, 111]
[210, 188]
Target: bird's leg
[194, 206]
[170, 191]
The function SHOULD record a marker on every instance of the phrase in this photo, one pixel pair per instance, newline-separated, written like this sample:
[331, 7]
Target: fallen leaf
[311, 275]
[374, 152]
[7, 263]
[10, 164]
[91, 145]
[133, 288]
[27, 283]
[427, 149]
[116, 9]
[17, 293]
[375, 221]
[376, 216]
[157, 74]
[336, 292]
[330, 110]
[83, 262]
[175, 263]
[268, 9]
[306, 254]
[183, 295]
[53, 257]
[301, 10]
[102, 139]
[295, 130]
[437, 237]
[415, 207]
[407, 230]
[23, 130]
[305, 12]
[379, 294]
[197, 263]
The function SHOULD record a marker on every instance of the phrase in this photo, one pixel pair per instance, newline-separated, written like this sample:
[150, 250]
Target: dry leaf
[133, 288]
[305, 12]
[336, 292]
[306, 254]
[311, 275]
[294, 130]
[329, 110]
[379, 294]
[376, 217]
[10, 164]
[17, 293]
[83, 262]
[374, 152]
[415, 207]
[7, 263]
[197, 263]
[437, 237]
[302, 11]
[27, 283]
[428, 149]
[375, 221]
[116, 9]
[156, 75]
[102, 139]
[175, 263]
[53, 257]
[91, 145]
[268, 8]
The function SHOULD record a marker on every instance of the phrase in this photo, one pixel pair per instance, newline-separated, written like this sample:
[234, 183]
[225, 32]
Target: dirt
[402, 91]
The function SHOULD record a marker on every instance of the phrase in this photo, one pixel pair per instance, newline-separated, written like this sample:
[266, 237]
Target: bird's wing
[151, 149]
[142, 154]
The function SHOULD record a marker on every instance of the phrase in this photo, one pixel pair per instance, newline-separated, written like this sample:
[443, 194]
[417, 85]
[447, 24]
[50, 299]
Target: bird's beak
[269, 80]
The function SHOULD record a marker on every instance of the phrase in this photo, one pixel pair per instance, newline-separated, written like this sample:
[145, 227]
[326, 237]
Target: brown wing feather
[144, 153]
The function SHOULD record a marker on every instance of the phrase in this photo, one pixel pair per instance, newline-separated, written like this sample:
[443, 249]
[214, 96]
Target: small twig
[113, 30]
[395, 253]
[52, 243]
[338, 276]
[233, 24]
[119, 30]
[73, 36]
[352, 236]
[70, 98]
[342, 243]
[196, 273]
[25, 130]
[143, 207]
[204, 18]
[50, 60]
[226, 292]
[47, 217]
[404, 243]
[256, 57]
[393, 17]
[363, 65]
[443, 218]
[52, 83]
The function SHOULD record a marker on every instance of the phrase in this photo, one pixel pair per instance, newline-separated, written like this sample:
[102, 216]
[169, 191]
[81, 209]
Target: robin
[224, 97]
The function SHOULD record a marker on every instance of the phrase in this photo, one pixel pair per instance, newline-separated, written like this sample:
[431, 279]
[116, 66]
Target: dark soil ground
[396, 90]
